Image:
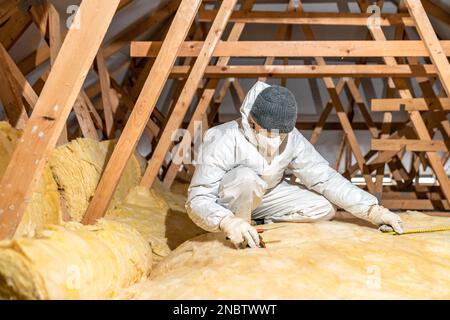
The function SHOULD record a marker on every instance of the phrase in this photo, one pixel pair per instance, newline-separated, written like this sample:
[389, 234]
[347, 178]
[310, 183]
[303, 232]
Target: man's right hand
[240, 232]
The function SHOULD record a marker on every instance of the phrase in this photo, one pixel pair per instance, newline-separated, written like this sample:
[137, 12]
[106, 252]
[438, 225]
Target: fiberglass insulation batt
[323, 260]
[77, 168]
[74, 262]
[51, 259]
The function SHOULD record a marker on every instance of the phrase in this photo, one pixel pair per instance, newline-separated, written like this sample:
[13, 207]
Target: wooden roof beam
[311, 71]
[413, 104]
[310, 18]
[262, 49]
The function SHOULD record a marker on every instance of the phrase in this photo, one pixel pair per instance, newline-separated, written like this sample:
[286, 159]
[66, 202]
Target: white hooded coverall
[233, 178]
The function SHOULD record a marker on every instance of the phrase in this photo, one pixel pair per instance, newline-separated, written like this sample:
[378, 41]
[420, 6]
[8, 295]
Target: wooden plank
[188, 92]
[311, 71]
[411, 145]
[310, 18]
[54, 31]
[354, 92]
[413, 104]
[39, 14]
[51, 111]
[425, 29]
[10, 95]
[239, 93]
[46, 18]
[142, 110]
[84, 119]
[105, 84]
[26, 90]
[95, 116]
[259, 49]
[54, 38]
[55, 43]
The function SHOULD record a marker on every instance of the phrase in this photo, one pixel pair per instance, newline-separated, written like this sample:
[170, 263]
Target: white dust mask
[268, 145]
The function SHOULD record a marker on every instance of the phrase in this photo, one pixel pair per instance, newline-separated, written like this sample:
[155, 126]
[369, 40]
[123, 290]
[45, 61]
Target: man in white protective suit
[240, 174]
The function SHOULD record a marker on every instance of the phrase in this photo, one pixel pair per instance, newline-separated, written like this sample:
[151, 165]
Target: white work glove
[239, 232]
[385, 219]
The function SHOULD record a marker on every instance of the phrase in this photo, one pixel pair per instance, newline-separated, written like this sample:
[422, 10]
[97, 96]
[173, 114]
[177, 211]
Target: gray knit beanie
[275, 108]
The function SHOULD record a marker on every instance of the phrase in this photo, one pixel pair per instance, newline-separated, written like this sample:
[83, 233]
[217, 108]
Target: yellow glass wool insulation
[152, 215]
[74, 262]
[325, 260]
[44, 204]
[77, 168]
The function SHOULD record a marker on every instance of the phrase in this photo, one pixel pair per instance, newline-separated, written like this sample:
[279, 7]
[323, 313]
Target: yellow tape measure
[419, 231]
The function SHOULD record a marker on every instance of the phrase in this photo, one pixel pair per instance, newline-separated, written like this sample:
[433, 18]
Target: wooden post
[51, 111]
[84, 118]
[142, 110]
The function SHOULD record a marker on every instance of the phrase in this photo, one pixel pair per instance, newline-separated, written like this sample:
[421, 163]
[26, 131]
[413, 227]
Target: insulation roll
[156, 219]
[77, 168]
[44, 204]
[74, 261]
[323, 260]
[49, 259]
